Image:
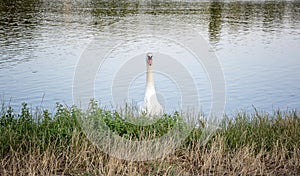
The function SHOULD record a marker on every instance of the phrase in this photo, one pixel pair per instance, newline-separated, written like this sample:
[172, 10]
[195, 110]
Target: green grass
[271, 140]
[263, 130]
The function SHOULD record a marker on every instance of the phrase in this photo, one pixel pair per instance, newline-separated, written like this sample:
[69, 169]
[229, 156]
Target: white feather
[151, 105]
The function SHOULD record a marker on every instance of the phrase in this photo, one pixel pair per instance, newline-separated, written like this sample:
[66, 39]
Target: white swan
[151, 104]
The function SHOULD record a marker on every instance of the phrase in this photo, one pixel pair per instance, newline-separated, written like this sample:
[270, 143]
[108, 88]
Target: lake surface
[256, 43]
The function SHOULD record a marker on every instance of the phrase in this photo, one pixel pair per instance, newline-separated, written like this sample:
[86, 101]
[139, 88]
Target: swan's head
[149, 59]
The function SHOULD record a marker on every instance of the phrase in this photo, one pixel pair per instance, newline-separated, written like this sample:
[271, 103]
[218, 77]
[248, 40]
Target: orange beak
[149, 61]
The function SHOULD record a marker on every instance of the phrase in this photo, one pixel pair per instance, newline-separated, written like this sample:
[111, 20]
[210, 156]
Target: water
[257, 45]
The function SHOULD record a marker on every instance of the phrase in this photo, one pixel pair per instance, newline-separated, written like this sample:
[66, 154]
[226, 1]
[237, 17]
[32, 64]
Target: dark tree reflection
[215, 20]
[18, 20]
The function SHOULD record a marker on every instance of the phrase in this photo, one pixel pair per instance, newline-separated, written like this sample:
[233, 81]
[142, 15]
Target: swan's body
[151, 104]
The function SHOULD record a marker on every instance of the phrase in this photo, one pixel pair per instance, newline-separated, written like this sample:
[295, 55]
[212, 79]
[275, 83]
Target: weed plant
[42, 143]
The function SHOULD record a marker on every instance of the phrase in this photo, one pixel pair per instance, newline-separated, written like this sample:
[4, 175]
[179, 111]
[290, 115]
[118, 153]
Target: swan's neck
[152, 105]
[150, 89]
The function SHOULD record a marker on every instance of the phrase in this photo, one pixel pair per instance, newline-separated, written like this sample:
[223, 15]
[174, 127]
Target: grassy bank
[41, 143]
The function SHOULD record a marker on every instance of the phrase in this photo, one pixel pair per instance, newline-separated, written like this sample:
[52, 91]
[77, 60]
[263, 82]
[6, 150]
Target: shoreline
[250, 143]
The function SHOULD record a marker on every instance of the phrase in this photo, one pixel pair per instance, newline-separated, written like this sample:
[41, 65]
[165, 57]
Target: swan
[151, 105]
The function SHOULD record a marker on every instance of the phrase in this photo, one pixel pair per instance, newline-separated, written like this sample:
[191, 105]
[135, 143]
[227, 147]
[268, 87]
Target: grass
[41, 143]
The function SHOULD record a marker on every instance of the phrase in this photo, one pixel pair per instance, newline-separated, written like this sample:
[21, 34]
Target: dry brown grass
[86, 159]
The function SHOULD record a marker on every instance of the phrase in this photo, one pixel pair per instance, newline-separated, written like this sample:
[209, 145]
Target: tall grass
[54, 144]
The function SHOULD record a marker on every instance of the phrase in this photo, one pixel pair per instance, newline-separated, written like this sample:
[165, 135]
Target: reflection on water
[18, 21]
[257, 44]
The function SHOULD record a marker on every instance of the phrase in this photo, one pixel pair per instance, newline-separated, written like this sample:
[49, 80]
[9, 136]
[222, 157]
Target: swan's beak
[149, 60]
